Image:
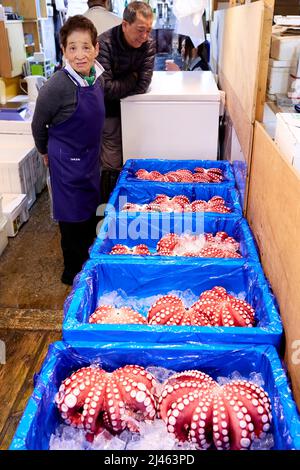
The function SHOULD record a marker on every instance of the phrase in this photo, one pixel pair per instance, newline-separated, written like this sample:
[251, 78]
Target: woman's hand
[46, 159]
[171, 66]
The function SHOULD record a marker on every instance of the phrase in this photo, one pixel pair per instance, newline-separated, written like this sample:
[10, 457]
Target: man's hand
[46, 159]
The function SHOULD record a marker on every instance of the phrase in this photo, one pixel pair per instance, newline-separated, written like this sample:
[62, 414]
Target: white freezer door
[171, 129]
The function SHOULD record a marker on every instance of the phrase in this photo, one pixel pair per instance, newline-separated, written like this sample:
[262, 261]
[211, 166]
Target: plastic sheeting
[135, 286]
[163, 166]
[146, 193]
[240, 173]
[148, 229]
[41, 417]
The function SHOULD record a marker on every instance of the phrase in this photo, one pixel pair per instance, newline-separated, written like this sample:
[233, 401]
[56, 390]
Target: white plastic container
[17, 173]
[278, 76]
[15, 209]
[3, 235]
[150, 121]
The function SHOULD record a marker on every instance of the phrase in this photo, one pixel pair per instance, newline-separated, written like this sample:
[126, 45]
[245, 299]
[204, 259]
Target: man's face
[137, 32]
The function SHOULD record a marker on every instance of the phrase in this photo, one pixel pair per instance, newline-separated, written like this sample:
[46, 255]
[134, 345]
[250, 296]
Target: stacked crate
[219, 351]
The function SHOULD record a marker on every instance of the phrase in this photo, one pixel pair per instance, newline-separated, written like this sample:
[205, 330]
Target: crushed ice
[153, 435]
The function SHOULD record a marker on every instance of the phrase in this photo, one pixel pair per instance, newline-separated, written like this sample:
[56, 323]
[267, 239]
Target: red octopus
[200, 175]
[209, 246]
[110, 314]
[120, 249]
[94, 399]
[215, 307]
[195, 408]
[180, 203]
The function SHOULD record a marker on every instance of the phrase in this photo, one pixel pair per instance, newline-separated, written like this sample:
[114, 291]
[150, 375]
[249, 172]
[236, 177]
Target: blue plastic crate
[41, 417]
[146, 193]
[148, 229]
[135, 283]
[163, 166]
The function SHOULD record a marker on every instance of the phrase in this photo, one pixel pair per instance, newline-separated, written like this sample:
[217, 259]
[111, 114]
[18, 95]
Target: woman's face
[80, 52]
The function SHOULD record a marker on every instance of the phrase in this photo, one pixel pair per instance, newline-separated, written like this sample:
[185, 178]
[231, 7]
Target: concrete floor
[31, 310]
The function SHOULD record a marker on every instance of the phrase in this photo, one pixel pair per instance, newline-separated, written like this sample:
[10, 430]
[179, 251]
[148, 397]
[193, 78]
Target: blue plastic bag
[163, 166]
[148, 229]
[136, 286]
[41, 416]
[146, 193]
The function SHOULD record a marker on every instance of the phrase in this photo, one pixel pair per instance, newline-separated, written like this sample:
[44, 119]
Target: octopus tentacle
[110, 314]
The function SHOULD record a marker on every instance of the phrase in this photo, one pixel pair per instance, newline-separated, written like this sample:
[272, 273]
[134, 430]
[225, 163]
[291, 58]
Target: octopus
[94, 399]
[200, 175]
[207, 245]
[197, 409]
[120, 249]
[112, 315]
[180, 203]
[215, 307]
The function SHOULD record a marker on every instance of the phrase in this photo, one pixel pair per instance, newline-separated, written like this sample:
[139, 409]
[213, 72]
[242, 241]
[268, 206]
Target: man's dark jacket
[128, 70]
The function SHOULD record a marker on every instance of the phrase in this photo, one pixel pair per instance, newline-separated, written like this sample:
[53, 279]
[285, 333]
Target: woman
[67, 127]
[194, 58]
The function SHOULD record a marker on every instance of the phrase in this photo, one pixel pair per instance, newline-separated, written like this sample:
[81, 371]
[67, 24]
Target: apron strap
[72, 78]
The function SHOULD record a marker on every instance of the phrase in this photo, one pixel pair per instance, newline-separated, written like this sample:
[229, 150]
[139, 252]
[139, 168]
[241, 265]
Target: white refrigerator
[177, 118]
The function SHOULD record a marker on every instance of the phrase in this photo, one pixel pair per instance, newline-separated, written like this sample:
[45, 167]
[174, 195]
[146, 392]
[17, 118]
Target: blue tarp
[136, 285]
[146, 193]
[163, 166]
[147, 229]
[41, 417]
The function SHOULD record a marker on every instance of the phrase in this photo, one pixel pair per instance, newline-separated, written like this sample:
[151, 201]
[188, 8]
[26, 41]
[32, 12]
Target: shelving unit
[31, 11]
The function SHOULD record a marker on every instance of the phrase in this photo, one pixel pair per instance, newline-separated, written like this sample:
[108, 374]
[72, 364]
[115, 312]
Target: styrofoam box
[278, 79]
[3, 235]
[287, 136]
[17, 173]
[285, 47]
[15, 209]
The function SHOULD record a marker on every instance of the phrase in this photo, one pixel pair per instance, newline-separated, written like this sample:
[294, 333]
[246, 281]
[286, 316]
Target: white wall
[76, 7]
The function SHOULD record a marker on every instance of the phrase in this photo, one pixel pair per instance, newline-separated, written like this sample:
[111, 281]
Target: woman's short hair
[77, 23]
[133, 8]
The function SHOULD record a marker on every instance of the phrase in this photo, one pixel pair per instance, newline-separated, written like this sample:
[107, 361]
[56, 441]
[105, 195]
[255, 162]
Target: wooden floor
[31, 303]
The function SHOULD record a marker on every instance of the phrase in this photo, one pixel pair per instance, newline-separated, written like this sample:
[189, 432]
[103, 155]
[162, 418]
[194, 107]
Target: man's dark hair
[133, 8]
[77, 23]
[97, 3]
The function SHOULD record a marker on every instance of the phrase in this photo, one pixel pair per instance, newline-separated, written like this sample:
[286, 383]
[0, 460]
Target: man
[100, 15]
[127, 54]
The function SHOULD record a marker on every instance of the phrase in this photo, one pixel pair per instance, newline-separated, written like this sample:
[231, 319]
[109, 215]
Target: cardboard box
[285, 47]
[287, 137]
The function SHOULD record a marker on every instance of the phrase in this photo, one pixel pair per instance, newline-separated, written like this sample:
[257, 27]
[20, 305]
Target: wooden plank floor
[31, 303]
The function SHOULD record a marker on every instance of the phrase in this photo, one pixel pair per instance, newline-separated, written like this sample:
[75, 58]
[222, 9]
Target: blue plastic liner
[135, 193]
[163, 166]
[41, 417]
[135, 283]
[240, 173]
[148, 229]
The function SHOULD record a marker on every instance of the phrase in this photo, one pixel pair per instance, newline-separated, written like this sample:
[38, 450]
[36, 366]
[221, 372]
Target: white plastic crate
[3, 235]
[15, 209]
